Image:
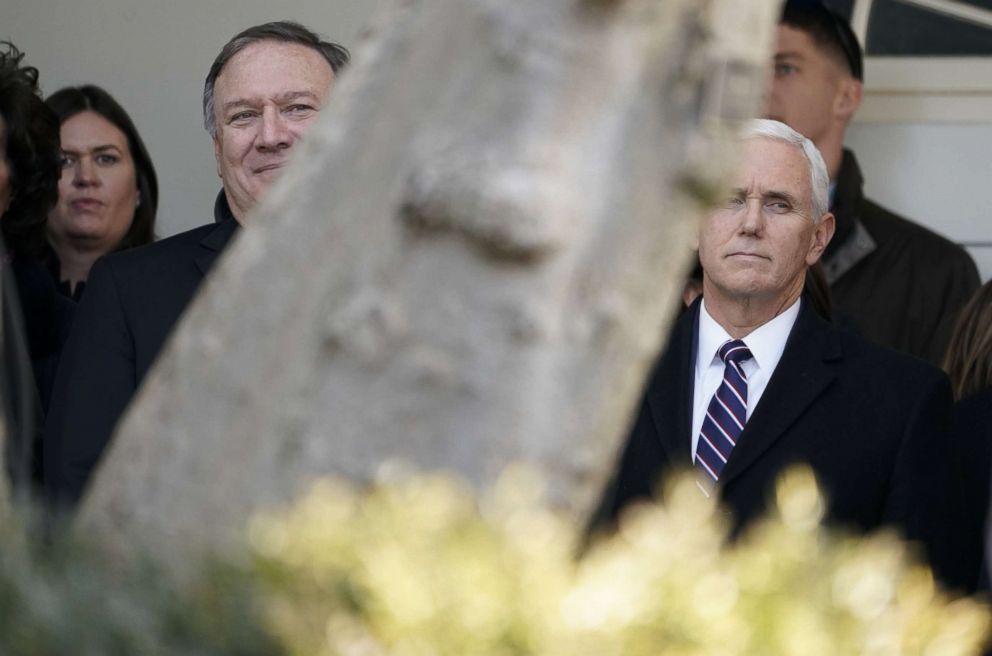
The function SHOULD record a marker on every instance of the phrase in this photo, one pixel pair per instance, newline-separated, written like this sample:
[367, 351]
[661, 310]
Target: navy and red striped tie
[725, 416]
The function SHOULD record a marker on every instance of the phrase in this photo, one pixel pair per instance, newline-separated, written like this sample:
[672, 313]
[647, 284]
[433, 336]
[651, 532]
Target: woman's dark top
[64, 287]
[972, 444]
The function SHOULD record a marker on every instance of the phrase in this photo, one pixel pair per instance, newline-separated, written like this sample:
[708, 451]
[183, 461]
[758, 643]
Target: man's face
[264, 98]
[807, 87]
[757, 245]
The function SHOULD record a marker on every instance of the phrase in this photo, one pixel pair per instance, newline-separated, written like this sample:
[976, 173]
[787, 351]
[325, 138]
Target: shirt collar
[766, 342]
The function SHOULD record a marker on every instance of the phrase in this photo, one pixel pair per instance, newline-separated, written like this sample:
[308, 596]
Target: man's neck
[832, 149]
[741, 315]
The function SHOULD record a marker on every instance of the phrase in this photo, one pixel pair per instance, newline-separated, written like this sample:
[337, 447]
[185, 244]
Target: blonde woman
[968, 362]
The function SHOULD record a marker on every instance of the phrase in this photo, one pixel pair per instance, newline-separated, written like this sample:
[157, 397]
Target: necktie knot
[735, 351]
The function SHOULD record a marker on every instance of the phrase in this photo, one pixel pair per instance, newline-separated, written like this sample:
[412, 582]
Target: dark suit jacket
[132, 302]
[868, 420]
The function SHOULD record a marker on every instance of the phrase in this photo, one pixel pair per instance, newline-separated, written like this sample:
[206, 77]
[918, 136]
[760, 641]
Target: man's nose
[766, 101]
[753, 219]
[768, 90]
[275, 133]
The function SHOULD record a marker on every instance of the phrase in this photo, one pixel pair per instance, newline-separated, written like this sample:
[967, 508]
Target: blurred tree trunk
[472, 261]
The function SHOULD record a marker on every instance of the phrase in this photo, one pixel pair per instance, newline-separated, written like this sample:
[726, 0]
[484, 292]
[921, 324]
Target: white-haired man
[754, 380]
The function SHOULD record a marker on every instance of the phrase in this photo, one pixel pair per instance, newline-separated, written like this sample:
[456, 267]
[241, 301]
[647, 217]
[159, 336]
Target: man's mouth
[265, 168]
[748, 255]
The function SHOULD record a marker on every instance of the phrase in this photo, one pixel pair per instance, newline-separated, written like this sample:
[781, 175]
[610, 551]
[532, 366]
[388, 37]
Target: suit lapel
[213, 244]
[670, 394]
[806, 369]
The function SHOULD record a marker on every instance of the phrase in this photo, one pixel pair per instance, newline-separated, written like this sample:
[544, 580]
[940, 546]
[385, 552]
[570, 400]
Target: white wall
[152, 57]
[939, 175]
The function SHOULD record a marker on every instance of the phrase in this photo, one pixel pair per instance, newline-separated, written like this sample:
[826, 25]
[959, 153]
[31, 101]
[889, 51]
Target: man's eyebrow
[788, 54]
[281, 98]
[293, 95]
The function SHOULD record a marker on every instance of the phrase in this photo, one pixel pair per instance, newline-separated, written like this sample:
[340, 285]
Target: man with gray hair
[754, 381]
[263, 91]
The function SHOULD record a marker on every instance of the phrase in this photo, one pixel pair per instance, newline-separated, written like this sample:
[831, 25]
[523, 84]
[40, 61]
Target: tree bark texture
[472, 261]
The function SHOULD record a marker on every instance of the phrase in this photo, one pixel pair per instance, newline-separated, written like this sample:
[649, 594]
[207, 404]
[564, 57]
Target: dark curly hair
[70, 101]
[32, 151]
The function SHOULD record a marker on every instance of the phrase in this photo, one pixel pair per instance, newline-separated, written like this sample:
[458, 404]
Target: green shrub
[421, 566]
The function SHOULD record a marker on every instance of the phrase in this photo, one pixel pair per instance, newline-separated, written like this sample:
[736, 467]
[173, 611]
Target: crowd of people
[815, 327]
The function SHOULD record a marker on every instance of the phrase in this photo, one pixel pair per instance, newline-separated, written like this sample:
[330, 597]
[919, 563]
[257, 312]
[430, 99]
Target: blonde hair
[968, 361]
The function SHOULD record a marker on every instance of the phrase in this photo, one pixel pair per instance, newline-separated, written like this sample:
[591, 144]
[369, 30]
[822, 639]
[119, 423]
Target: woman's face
[4, 170]
[98, 191]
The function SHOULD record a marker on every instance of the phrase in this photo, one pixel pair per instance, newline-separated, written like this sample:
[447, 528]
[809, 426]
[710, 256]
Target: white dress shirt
[766, 344]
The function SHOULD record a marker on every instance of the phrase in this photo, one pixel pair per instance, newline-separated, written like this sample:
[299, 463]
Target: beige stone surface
[472, 261]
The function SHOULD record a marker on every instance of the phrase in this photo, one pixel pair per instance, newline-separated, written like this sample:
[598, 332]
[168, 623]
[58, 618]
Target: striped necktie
[725, 416]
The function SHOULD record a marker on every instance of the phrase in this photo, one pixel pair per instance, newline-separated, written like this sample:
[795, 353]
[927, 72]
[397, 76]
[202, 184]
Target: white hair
[819, 180]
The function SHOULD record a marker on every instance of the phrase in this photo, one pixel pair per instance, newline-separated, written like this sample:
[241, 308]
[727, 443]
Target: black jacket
[36, 321]
[133, 300]
[898, 283]
[870, 422]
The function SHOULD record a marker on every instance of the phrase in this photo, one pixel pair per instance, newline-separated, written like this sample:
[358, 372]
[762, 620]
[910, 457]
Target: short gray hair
[280, 31]
[819, 180]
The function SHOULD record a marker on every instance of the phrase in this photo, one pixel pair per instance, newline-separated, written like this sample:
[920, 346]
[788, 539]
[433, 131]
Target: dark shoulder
[182, 244]
[877, 364]
[976, 410]
[891, 230]
[47, 314]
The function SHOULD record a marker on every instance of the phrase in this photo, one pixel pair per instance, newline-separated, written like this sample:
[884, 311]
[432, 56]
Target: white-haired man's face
[757, 245]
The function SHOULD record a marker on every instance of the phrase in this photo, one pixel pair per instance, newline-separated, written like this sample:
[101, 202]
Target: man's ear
[848, 98]
[217, 154]
[823, 231]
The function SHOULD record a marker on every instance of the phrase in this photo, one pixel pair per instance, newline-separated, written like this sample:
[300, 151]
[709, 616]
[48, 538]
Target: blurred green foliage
[61, 596]
[422, 566]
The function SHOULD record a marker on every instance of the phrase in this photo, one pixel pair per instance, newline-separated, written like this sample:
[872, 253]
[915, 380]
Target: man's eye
[241, 117]
[778, 207]
[67, 161]
[106, 159]
[784, 69]
[300, 109]
[733, 203]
